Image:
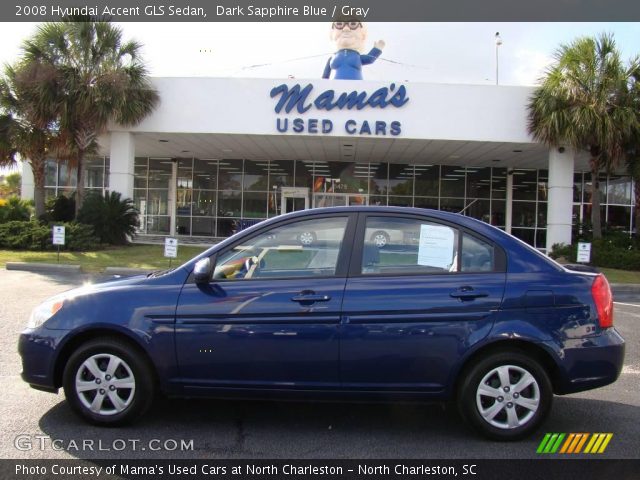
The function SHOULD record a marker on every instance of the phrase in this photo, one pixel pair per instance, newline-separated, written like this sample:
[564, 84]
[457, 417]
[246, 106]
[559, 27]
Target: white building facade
[219, 154]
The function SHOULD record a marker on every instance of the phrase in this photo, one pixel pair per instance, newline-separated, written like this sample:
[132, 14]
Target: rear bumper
[591, 362]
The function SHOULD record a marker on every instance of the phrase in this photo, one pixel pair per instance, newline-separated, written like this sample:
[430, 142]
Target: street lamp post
[498, 43]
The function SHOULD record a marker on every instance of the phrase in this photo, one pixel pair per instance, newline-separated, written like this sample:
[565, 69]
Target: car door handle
[310, 298]
[467, 293]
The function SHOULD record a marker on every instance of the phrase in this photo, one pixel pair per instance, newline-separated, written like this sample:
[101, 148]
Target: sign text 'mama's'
[296, 97]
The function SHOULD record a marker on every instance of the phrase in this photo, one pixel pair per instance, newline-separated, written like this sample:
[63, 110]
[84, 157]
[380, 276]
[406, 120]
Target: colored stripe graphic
[573, 443]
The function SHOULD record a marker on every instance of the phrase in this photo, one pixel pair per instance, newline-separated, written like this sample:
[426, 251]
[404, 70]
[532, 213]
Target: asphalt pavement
[40, 425]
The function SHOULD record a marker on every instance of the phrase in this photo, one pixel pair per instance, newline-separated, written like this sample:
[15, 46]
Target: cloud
[530, 66]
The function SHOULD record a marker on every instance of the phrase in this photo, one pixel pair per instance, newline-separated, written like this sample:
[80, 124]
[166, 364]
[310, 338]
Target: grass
[133, 256]
[151, 257]
[620, 276]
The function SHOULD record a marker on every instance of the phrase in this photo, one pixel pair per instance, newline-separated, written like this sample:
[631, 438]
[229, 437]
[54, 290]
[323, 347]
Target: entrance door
[294, 199]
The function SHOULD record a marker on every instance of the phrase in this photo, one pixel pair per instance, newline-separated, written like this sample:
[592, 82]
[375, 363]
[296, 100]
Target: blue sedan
[446, 308]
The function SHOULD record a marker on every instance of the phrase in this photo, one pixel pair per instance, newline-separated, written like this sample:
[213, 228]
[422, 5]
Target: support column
[560, 204]
[121, 163]
[172, 203]
[508, 208]
[27, 189]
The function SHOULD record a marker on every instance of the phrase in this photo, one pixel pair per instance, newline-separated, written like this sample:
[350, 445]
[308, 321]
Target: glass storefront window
[229, 203]
[51, 173]
[619, 218]
[160, 173]
[577, 187]
[478, 182]
[254, 204]
[158, 202]
[479, 209]
[281, 174]
[304, 175]
[256, 176]
[426, 202]
[619, 190]
[379, 175]
[183, 225]
[498, 183]
[524, 214]
[214, 197]
[525, 184]
[205, 174]
[66, 175]
[452, 204]
[395, 201]
[140, 172]
[94, 173]
[400, 181]
[452, 182]
[498, 207]
[203, 226]
[230, 175]
[204, 203]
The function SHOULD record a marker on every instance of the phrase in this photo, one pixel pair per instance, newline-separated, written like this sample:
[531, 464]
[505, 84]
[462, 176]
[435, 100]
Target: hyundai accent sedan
[452, 310]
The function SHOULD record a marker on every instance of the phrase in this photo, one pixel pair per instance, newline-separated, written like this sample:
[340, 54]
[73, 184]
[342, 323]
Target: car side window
[302, 249]
[477, 255]
[408, 246]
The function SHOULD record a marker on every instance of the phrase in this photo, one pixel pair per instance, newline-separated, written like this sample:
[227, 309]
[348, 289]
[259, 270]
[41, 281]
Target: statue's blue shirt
[347, 64]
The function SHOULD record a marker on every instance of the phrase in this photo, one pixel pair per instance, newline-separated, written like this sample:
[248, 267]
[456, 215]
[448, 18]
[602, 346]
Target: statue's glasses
[351, 25]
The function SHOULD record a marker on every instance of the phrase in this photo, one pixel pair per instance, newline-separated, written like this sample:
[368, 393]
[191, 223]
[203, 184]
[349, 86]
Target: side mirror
[203, 270]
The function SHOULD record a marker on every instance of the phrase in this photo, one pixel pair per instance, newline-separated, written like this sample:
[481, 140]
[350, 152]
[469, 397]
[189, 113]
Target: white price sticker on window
[436, 246]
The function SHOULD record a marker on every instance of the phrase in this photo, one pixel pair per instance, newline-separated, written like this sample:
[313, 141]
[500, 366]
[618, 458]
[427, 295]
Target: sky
[414, 52]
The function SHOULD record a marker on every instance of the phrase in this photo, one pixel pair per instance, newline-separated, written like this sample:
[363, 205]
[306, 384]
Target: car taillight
[604, 301]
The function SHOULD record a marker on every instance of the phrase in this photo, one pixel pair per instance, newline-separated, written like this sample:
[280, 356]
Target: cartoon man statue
[347, 62]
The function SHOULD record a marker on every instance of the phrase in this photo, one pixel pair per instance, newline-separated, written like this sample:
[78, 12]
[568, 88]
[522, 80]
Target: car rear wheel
[505, 396]
[107, 382]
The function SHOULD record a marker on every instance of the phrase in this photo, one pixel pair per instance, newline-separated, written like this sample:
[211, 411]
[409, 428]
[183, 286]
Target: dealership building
[219, 154]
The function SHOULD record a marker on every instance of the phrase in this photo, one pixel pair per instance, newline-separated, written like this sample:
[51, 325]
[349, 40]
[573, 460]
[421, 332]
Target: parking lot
[40, 425]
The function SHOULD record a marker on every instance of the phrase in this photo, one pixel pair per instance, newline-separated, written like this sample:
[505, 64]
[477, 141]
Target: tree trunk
[79, 181]
[37, 168]
[636, 190]
[595, 199]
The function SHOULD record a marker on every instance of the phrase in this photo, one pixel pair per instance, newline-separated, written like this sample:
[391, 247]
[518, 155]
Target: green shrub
[15, 209]
[60, 209]
[112, 218]
[37, 236]
[615, 250]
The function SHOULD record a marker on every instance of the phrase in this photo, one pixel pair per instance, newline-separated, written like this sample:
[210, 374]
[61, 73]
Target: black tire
[133, 365]
[498, 428]
[380, 238]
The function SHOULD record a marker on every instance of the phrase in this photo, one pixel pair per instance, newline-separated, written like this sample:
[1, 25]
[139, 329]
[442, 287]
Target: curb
[43, 267]
[126, 271]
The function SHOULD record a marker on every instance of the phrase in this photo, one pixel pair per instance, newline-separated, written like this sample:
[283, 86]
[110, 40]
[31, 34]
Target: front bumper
[591, 362]
[37, 348]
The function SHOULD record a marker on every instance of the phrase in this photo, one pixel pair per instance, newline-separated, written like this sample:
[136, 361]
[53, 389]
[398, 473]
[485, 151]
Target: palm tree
[582, 102]
[22, 133]
[91, 77]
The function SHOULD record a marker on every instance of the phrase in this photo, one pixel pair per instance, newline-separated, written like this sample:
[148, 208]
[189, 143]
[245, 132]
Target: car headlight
[44, 312]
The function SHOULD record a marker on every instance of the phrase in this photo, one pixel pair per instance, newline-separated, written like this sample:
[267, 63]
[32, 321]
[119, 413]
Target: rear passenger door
[413, 306]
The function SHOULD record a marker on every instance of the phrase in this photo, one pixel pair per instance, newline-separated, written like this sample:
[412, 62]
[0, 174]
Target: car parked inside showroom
[452, 310]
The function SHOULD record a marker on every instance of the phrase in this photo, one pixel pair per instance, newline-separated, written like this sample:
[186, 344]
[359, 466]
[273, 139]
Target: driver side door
[270, 316]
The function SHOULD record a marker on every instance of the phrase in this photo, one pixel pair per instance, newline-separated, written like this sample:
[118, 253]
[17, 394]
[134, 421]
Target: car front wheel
[505, 396]
[107, 382]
